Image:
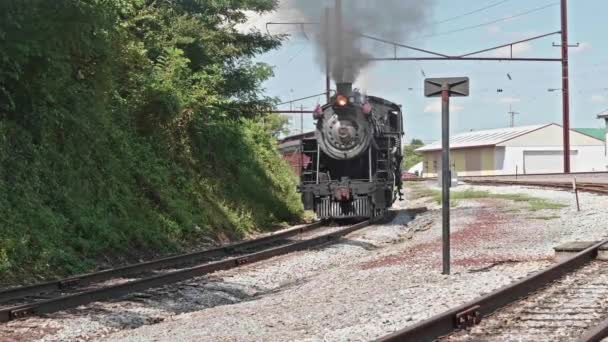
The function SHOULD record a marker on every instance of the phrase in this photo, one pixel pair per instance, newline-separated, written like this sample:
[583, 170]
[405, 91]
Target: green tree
[276, 124]
[132, 125]
[412, 157]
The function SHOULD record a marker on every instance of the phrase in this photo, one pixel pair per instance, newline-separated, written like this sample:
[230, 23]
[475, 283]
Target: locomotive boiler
[355, 156]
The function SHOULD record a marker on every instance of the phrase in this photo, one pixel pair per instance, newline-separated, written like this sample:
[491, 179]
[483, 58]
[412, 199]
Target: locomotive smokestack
[345, 88]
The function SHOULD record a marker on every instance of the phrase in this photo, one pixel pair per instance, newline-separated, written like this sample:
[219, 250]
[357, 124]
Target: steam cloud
[393, 20]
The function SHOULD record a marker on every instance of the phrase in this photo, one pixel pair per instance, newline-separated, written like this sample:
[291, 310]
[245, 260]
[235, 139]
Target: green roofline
[598, 133]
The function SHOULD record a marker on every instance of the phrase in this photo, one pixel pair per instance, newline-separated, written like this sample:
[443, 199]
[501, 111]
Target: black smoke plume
[339, 39]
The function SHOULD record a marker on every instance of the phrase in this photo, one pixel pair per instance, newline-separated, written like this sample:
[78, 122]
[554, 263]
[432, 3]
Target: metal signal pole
[446, 175]
[444, 88]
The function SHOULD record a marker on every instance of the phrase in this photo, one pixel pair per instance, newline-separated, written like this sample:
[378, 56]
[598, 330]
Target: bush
[121, 140]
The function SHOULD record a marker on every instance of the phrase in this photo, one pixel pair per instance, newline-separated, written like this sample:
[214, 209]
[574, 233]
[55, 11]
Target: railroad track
[598, 188]
[66, 293]
[566, 302]
[562, 311]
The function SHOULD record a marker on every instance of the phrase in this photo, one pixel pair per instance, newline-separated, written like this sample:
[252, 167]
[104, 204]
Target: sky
[526, 92]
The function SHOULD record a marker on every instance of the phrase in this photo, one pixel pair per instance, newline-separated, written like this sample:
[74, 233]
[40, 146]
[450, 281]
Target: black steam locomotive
[355, 157]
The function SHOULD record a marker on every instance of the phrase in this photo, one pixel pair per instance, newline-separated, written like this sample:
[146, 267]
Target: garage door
[544, 161]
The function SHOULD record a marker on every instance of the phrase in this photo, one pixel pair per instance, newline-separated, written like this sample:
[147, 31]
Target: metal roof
[488, 137]
[297, 137]
[598, 133]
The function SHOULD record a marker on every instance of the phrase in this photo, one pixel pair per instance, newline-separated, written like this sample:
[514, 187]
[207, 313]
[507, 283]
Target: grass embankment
[67, 208]
[127, 131]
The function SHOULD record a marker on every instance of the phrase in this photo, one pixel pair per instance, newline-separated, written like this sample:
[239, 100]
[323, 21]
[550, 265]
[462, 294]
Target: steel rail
[599, 188]
[471, 313]
[539, 174]
[20, 292]
[114, 291]
[596, 333]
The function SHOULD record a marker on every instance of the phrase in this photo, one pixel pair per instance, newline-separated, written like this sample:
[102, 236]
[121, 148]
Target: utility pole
[302, 119]
[327, 57]
[512, 114]
[565, 85]
[338, 36]
[292, 121]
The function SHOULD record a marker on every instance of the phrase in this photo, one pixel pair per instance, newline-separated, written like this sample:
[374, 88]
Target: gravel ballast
[371, 283]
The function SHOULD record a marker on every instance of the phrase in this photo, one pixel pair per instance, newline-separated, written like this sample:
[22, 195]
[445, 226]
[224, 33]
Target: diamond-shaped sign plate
[458, 86]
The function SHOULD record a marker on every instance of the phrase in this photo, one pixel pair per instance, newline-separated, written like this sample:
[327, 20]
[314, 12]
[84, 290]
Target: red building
[290, 149]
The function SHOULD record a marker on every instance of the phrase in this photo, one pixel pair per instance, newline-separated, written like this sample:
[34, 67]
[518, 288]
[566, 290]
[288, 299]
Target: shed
[516, 150]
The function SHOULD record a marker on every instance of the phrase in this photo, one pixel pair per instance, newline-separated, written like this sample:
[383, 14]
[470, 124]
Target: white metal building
[522, 150]
[417, 169]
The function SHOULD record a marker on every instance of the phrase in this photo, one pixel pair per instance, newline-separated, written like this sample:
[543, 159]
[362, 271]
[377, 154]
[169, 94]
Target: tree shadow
[356, 243]
[243, 160]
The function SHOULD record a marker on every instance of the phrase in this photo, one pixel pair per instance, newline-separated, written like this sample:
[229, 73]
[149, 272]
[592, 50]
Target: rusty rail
[597, 333]
[114, 291]
[598, 188]
[472, 313]
[20, 292]
[548, 174]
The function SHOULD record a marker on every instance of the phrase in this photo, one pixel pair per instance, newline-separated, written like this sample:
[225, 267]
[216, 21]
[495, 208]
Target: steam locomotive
[354, 158]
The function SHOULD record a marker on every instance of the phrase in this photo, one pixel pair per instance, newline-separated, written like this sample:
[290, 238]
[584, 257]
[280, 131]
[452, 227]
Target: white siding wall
[587, 153]
[586, 158]
[500, 158]
[551, 135]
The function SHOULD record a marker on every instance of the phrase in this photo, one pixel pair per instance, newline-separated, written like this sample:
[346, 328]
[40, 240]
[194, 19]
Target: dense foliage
[412, 157]
[129, 127]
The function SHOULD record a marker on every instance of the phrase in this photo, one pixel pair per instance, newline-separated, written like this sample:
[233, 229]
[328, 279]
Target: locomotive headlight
[341, 100]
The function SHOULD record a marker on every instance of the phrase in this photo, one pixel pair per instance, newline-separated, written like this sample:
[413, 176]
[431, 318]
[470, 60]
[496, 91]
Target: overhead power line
[478, 10]
[295, 55]
[469, 13]
[302, 99]
[537, 9]
[531, 11]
